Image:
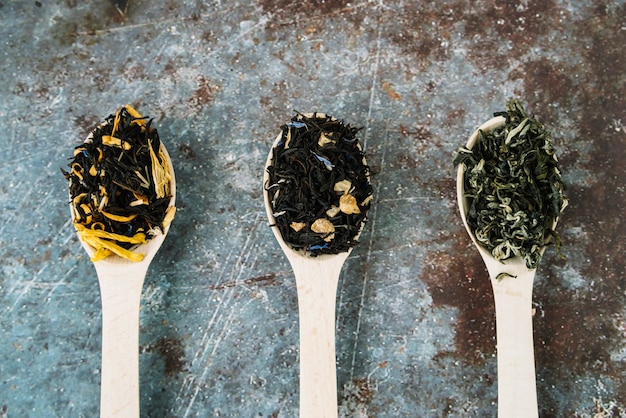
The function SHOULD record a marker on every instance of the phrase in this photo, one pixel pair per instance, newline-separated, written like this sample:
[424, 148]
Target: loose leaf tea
[119, 184]
[514, 188]
[319, 187]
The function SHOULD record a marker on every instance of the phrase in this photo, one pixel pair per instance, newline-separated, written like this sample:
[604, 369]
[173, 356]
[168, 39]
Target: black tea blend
[120, 186]
[514, 188]
[319, 187]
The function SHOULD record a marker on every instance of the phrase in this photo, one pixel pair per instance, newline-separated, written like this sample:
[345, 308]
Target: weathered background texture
[219, 324]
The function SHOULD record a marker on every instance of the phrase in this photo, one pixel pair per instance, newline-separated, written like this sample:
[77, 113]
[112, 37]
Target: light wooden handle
[517, 393]
[121, 294]
[317, 293]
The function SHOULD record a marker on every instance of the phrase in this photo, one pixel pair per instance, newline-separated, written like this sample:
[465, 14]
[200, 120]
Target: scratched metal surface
[415, 328]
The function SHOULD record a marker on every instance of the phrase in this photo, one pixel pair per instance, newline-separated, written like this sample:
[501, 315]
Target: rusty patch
[391, 92]
[134, 71]
[520, 25]
[446, 186]
[173, 354]
[575, 330]
[187, 151]
[604, 88]
[309, 15]
[459, 278]
[356, 398]
[523, 23]
[426, 30]
[415, 139]
[204, 94]
[547, 85]
[288, 7]
[419, 37]
[455, 115]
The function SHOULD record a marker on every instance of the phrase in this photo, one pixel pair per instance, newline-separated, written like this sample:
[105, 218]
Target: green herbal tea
[120, 186]
[319, 187]
[514, 188]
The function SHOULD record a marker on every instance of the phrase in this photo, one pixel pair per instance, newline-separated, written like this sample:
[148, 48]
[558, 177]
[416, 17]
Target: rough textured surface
[219, 336]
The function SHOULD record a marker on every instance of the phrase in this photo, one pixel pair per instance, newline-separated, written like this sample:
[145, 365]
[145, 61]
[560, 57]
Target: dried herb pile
[120, 186]
[514, 187]
[319, 186]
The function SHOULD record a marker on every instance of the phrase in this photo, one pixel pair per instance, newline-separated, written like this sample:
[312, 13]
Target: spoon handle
[317, 292]
[120, 290]
[517, 393]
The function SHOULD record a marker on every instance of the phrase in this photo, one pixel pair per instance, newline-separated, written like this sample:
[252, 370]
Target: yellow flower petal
[119, 218]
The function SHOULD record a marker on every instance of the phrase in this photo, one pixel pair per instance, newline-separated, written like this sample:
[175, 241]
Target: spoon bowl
[512, 284]
[121, 283]
[316, 284]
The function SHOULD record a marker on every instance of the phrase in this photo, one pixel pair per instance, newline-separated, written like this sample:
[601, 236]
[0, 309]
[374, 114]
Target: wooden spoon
[517, 393]
[121, 282]
[316, 284]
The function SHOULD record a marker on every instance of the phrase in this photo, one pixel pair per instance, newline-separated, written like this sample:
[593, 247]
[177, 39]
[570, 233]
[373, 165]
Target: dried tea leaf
[514, 187]
[318, 160]
[504, 275]
[120, 186]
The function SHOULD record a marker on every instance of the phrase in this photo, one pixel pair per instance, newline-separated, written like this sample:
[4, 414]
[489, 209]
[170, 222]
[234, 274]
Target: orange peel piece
[348, 205]
[297, 226]
[325, 227]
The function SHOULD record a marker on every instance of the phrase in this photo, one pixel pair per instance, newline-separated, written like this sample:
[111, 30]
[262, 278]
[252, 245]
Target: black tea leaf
[319, 187]
[120, 186]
